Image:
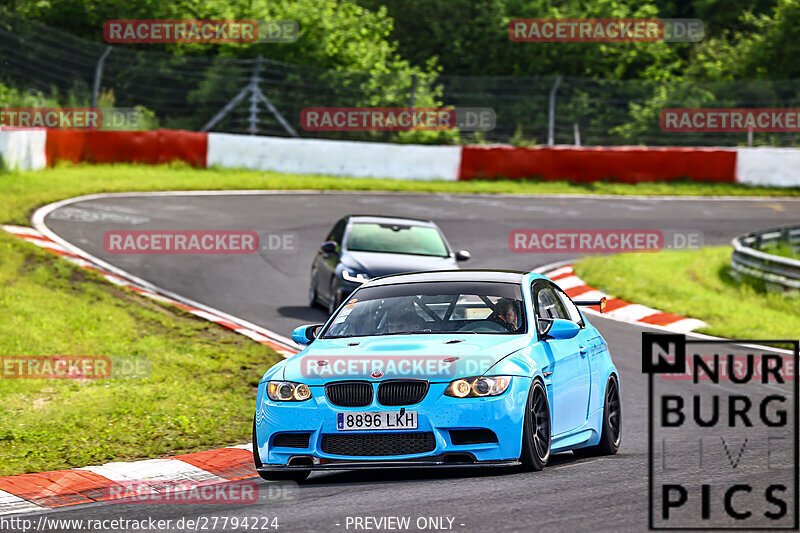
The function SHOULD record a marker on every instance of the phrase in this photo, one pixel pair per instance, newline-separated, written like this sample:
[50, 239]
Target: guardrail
[749, 259]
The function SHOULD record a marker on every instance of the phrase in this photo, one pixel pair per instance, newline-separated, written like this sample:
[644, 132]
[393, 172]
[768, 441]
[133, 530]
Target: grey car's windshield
[396, 239]
[431, 308]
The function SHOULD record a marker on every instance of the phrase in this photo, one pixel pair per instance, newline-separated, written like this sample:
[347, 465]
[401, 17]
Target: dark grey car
[362, 247]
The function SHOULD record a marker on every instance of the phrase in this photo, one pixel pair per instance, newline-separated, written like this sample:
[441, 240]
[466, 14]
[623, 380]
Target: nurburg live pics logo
[722, 433]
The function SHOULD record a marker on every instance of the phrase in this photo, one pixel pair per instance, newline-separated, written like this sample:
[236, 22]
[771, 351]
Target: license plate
[376, 420]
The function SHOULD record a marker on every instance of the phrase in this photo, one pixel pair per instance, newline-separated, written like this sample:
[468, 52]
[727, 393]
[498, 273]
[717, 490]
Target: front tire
[536, 433]
[288, 475]
[611, 436]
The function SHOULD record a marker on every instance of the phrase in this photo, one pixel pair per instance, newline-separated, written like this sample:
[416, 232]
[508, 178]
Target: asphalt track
[269, 289]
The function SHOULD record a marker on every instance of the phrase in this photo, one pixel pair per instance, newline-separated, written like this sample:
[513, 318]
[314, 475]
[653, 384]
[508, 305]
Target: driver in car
[505, 314]
[403, 318]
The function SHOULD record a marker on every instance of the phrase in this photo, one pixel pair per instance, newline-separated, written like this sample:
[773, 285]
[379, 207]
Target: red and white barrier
[627, 164]
[778, 167]
[23, 150]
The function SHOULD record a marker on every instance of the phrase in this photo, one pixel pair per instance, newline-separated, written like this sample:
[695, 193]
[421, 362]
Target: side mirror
[558, 328]
[328, 247]
[305, 334]
[463, 255]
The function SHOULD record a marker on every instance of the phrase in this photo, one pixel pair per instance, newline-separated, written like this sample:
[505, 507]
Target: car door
[326, 262]
[589, 342]
[570, 369]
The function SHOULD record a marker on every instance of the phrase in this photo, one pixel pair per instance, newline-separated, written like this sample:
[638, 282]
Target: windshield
[431, 308]
[396, 239]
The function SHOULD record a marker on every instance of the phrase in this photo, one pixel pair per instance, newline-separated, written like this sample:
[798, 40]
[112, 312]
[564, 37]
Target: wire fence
[187, 92]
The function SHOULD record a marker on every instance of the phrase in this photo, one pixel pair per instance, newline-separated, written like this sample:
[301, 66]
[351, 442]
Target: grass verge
[695, 284]
[198, 390]
[782, 249]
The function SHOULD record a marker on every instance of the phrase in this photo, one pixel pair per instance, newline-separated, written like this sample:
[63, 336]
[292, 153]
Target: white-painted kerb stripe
[152, 470]
[14, 504]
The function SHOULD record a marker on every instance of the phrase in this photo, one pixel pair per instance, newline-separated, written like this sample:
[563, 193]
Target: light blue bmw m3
[448, 368]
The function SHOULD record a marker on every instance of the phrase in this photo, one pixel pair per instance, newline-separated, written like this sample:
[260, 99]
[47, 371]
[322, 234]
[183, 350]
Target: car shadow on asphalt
[304, 313]
[397, 475]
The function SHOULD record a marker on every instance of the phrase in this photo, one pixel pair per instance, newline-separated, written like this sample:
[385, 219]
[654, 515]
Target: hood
[376, 264]
[437, 358]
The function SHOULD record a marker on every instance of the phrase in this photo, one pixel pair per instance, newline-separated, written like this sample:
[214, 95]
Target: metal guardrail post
[256, 95]
[551, 118]
[98, 76]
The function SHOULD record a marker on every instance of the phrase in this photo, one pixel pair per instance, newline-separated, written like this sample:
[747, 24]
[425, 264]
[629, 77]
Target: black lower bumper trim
[355, 465]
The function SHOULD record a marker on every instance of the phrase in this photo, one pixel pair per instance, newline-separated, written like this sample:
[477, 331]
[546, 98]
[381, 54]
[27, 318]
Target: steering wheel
[487, 326]
[497, 320]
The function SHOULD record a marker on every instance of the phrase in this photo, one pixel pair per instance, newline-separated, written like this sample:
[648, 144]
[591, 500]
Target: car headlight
[354, 277]
[286, 391]
[478, 386]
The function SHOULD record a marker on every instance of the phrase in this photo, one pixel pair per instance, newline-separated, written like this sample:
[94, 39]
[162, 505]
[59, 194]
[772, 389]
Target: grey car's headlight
[287, 391]
[354, 277]
[478, 386]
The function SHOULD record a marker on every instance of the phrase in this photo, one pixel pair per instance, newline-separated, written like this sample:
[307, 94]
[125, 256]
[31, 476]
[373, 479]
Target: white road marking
[153, 470]
[570, 282]
[631, 312]
[10, 503]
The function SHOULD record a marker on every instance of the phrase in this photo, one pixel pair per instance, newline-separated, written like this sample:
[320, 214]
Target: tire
[333, 305]
[288, 475]
[313, 298]
[611, 436]
[536, 430]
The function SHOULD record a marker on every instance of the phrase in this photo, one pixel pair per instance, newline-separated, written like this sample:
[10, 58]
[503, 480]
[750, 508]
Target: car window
[572, 309]
[547, 304]
[396, 238]
[337, 233]
[431, 308]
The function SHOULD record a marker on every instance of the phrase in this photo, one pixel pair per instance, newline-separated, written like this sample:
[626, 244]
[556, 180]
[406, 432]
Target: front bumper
[433, 462]
[437, 414]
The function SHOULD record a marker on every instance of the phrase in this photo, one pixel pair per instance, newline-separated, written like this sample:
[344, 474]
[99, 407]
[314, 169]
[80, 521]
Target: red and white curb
[28, 493]
[617, 309]
[34, 492]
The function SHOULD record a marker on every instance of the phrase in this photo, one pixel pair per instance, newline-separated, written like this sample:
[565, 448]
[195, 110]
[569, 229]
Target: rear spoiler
[601, 302]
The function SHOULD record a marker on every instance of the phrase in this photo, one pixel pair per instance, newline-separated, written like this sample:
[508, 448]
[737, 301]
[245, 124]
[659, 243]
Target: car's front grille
[370, 444]
[291, 440]
[349, 393]
[402, 392]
